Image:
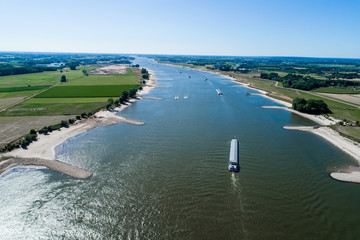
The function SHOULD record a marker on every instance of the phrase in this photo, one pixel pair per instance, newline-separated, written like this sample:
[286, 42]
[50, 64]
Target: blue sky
[314, 28]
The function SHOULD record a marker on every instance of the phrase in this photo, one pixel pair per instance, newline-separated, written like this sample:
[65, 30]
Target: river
[168, 179]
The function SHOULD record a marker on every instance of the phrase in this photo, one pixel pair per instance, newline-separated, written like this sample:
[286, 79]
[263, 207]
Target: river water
[168, 179]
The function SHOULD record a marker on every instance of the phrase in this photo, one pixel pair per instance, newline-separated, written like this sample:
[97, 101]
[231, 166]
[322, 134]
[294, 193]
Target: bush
[78, 117]
[24, 143]
[145, 76]
[32, 131]
[132, 92]
[64, 123]
[71, 121]
[30, 137]
[63, 78]
[44, 130]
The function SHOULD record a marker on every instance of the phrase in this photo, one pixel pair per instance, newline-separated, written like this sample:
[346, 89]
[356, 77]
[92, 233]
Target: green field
[20, 89]
[66, 100]
[85, 91]
[336, 90]
[47, 109]
[92, 80]
[17, 94]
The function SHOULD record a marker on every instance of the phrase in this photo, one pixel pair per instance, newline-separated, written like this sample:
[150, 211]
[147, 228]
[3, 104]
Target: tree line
[7, 71]
[306, 82]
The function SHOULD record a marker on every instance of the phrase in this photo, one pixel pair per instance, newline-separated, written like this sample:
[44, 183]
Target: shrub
[30, 137]
[64, 123]
[44, 130]
[63, 78]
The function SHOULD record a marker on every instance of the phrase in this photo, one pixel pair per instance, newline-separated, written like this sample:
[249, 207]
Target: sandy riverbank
[44, 147]
[350, 147]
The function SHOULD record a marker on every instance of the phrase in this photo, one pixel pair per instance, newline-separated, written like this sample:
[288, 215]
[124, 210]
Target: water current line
[238, 186]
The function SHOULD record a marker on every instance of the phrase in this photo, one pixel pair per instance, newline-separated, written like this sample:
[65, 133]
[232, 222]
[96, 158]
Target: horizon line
[167, 54]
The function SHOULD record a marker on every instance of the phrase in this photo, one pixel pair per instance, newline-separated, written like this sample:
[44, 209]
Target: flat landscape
[36, 100]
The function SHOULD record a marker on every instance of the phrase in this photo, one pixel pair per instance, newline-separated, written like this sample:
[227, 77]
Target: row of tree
[145, 73]
[310, 106]
[124, 97]
[306, 82]
[7, 71]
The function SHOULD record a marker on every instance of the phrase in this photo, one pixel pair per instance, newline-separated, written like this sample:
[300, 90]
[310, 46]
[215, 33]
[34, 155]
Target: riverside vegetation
[57, 90]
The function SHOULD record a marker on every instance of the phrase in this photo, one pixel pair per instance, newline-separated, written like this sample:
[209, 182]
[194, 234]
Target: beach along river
[168, 179]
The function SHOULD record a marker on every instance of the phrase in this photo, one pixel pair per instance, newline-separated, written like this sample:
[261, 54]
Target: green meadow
[21, 89]
[85, 91]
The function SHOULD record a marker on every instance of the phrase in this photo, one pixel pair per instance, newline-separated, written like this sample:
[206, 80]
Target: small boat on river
[234, 155]
[219, 92]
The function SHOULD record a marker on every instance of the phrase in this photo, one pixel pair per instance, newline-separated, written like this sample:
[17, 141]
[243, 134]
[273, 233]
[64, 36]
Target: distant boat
[176, 97]
[205, 79]
[189, 76]
[185, 97]
[234, 155]
[219, 92]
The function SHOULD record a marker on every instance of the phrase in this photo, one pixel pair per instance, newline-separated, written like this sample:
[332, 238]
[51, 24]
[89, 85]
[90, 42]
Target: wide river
[168, 179]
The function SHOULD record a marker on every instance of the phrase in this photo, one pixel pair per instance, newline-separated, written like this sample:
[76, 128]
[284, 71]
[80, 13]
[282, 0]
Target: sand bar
[55, 165]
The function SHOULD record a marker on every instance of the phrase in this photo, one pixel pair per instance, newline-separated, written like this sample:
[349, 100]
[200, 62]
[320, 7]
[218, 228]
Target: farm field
[64, 91]
[336, 90]
[96, 80]
[66, 100]
[16, 127]
[351, 98]
[82, 94]
[47, 109]
[43, 78]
